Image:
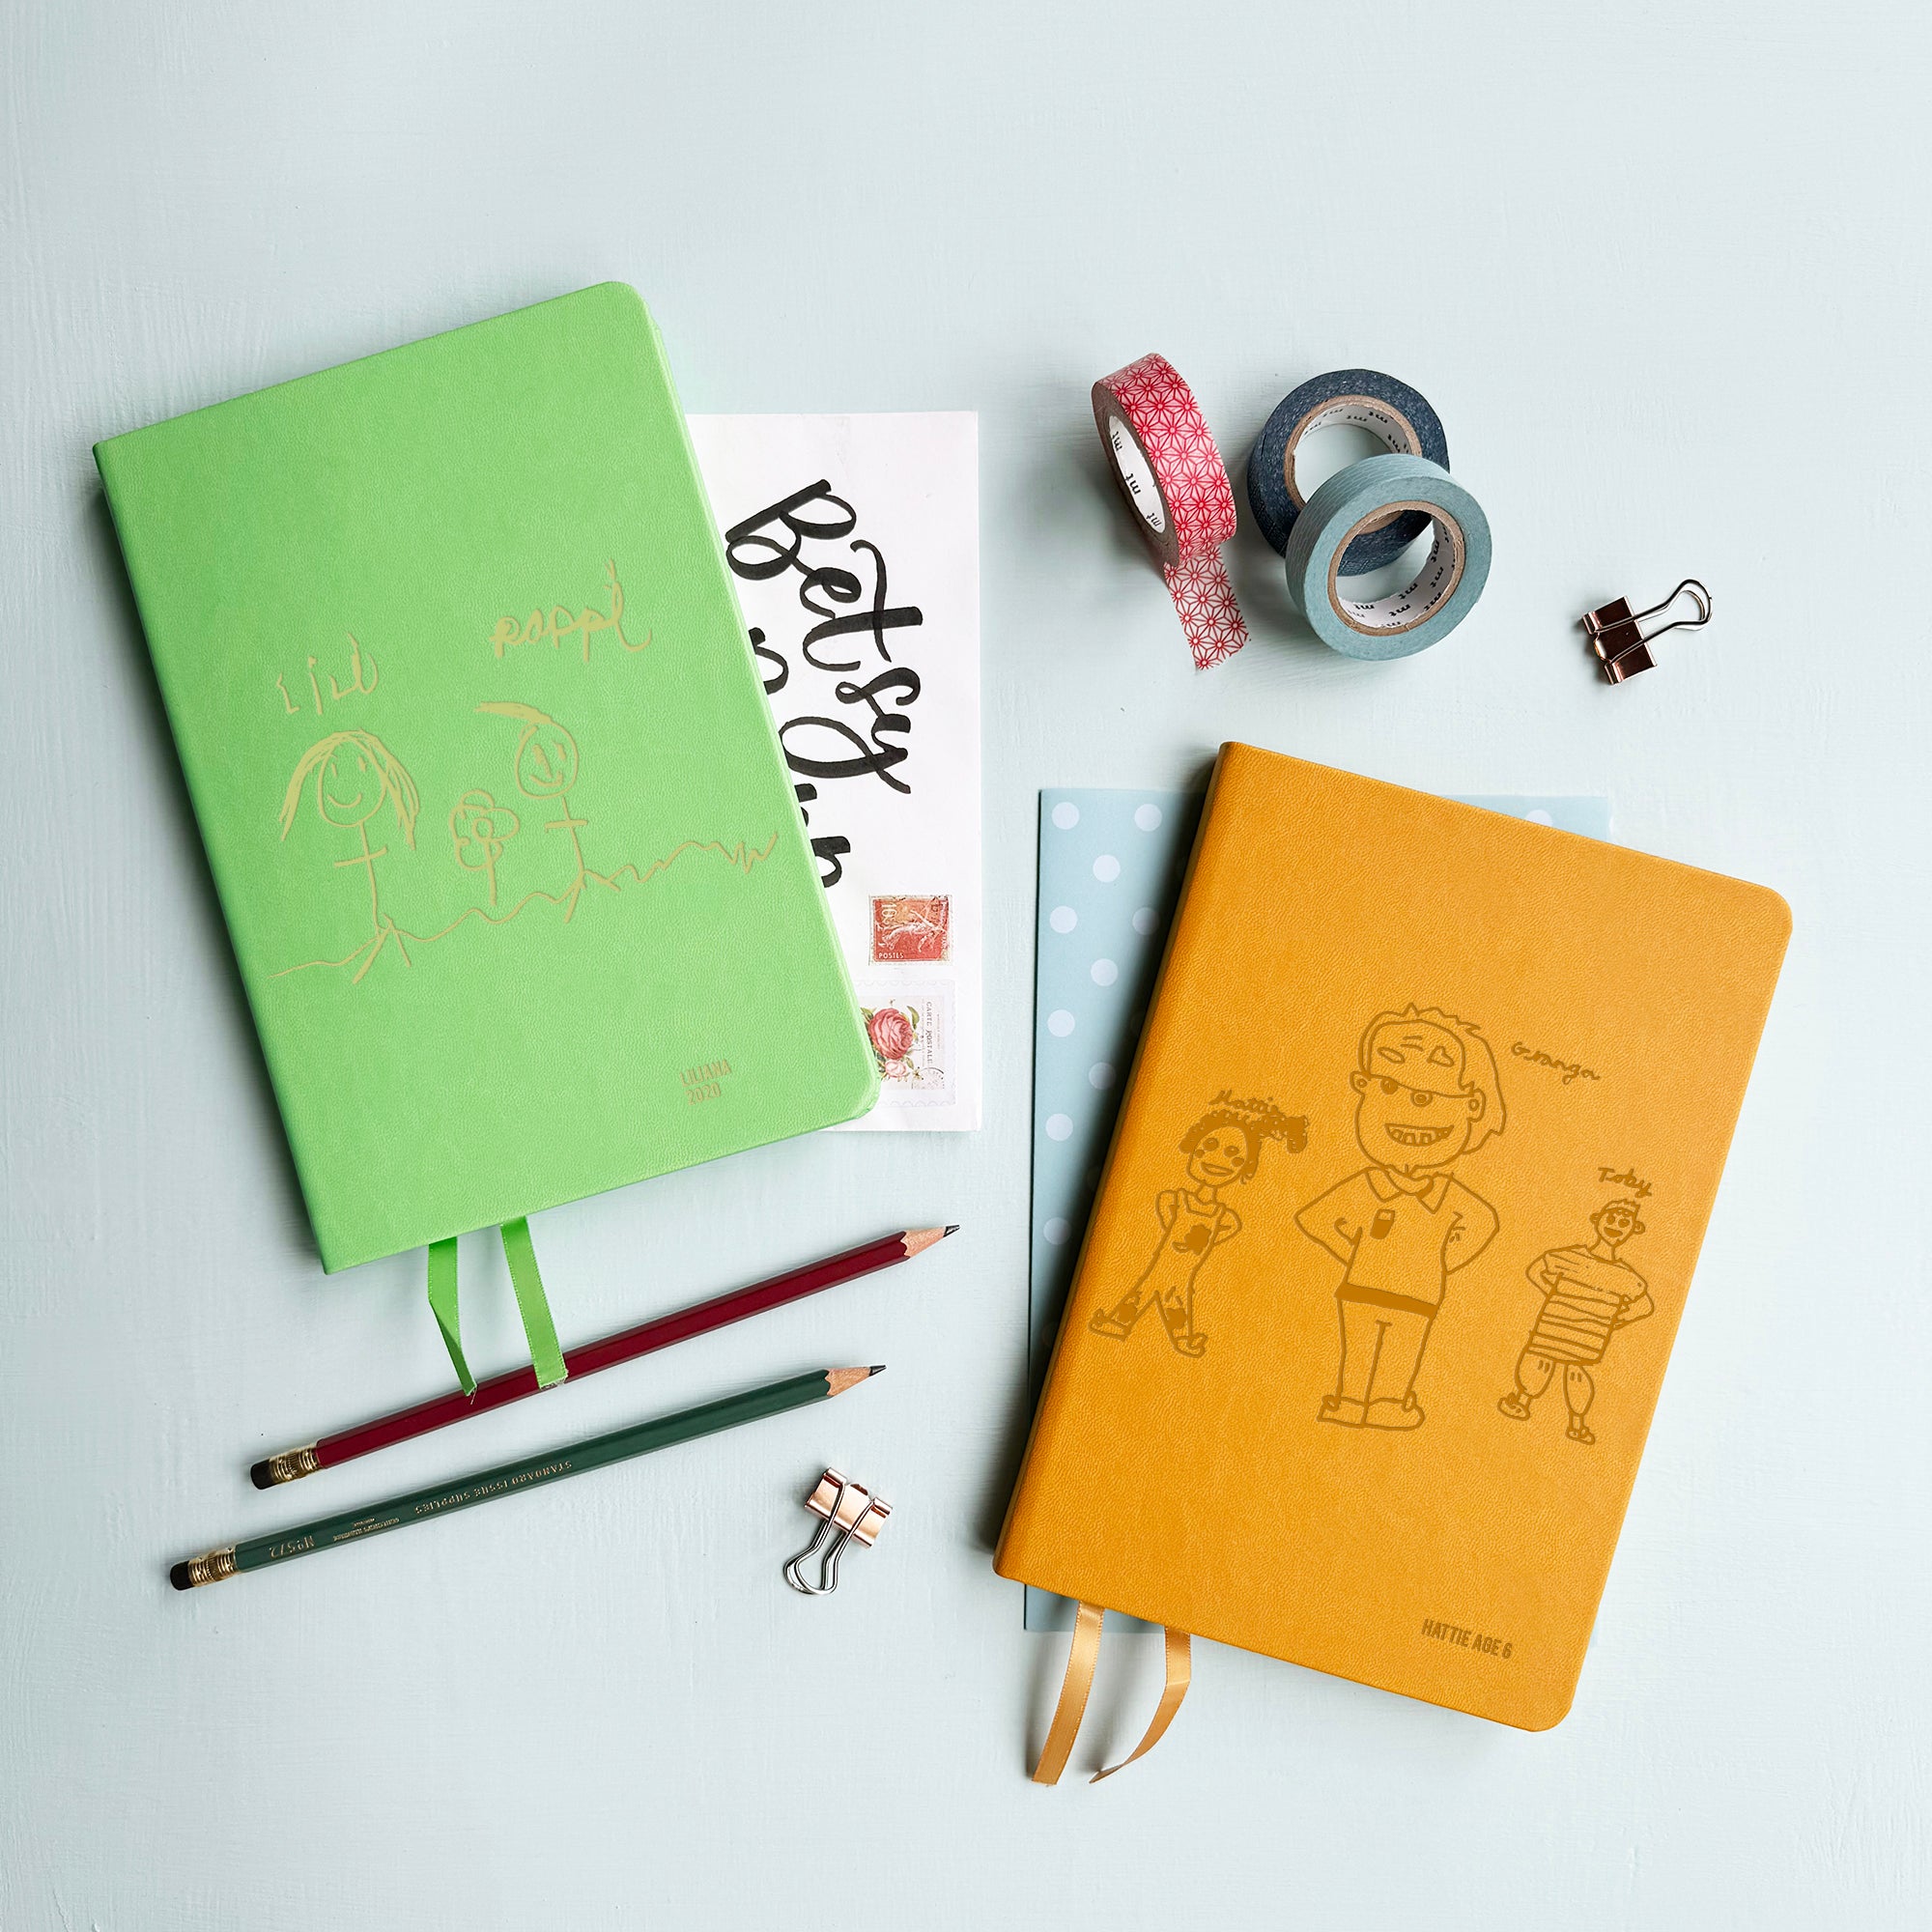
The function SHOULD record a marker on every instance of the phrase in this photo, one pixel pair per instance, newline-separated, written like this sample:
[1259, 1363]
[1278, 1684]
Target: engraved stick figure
[1426, 1094]
[1223, 1150]
[354, 772]
[547, 769]
[1587, 1296]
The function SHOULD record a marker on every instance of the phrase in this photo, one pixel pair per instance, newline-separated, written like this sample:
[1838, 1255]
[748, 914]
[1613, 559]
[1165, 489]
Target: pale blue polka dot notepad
[1109, 866]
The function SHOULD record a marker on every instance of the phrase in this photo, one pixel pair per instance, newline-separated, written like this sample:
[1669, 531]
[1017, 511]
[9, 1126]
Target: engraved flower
[479, 827]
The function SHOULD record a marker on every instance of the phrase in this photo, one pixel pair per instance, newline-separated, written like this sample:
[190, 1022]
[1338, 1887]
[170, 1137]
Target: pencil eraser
[179, 1576]
[259, 1475]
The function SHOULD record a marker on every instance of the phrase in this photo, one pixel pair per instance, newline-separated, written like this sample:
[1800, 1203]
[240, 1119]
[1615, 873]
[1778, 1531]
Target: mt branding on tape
[1361, 499]
[1175, 483]
[1396, 416]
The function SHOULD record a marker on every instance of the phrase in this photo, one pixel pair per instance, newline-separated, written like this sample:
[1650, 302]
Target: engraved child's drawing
[356, 775]
[1587, 1296]
[546, 770]
[1223, 1150]
[1427, 1094]
[480, 828]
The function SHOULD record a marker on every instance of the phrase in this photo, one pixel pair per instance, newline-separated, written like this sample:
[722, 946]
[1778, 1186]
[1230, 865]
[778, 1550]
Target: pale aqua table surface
[1663, 271]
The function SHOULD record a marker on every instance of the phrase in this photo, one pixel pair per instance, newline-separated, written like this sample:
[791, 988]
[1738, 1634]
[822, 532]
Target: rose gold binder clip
[1622, 648]
[848, 1513]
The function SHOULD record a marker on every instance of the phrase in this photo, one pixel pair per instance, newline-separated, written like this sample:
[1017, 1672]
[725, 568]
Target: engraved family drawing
[358, 780]
[1427, 1096]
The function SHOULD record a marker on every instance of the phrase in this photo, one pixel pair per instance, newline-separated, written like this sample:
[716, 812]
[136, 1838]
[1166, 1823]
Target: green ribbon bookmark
[532, 1304]
[442, 1300]
[539, 1330]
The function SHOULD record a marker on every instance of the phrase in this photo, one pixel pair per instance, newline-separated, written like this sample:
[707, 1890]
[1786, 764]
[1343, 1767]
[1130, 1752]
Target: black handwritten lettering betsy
[818, 746]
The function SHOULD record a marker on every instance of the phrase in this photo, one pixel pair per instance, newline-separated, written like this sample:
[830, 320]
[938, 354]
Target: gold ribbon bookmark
[1081, 1658]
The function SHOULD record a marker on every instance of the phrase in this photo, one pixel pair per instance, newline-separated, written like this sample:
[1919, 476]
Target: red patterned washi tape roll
[1176, 486]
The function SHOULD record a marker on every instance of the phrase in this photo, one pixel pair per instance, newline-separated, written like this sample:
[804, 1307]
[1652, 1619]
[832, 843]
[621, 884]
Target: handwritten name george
[1571, 1069]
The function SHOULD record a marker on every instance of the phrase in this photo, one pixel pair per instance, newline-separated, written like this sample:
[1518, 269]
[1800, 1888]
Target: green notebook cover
[490, 789]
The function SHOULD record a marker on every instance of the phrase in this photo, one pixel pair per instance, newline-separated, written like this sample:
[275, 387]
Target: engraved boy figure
[1587, 1296]
[1223, 1148]
[1427, 1093]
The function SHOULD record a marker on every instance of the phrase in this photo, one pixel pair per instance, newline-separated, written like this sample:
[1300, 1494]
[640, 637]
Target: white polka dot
[1056, 1231]
[1059, 1024]
[1145, 919]
[1106, 868]
[1539, 817]
[1100, 1075]
[1066, 815]
[1063, 918]
[1058, 1126]
[1147, 817]
[1104, 972]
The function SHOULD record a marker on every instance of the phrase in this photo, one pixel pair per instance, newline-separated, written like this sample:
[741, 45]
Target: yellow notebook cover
[1381, 1279]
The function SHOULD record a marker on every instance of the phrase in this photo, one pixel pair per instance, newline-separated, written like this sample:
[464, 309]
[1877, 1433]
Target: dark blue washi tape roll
[1396, 416]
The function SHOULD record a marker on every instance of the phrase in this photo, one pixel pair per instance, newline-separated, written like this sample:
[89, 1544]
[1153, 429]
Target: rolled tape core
[1136, 475]
[1433, 584]
[1438, 596]
[1381, 420]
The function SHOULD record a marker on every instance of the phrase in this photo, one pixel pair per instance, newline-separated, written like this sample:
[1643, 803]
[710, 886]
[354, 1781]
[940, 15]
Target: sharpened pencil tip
[878, 1369]
[953, 1229]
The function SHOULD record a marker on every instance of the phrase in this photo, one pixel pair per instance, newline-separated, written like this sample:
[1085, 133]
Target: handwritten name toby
[869, 737]
[1633, 1183]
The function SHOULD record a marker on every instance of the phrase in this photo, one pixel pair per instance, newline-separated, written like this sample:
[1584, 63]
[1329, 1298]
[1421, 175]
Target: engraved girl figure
[1223, 1150]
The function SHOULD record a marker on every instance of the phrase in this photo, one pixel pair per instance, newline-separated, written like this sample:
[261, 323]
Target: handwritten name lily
[359, 667]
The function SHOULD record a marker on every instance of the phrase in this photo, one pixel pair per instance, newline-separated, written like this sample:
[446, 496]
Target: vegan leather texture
[489, 787]
[1388, 1254]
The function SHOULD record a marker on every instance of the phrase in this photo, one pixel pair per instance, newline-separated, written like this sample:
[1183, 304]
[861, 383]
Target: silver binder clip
[1622, 647]
[848, 1512]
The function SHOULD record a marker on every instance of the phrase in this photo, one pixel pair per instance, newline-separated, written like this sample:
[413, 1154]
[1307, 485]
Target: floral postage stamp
[911, 1031]
[909, 930]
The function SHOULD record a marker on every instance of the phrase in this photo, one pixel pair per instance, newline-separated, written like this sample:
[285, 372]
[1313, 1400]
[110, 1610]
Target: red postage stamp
[907, 930]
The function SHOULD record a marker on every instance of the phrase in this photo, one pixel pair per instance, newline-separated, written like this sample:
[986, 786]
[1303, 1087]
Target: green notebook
[492, 796]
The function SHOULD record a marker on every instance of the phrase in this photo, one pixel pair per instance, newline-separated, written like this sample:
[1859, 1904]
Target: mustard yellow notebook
[1398, 1225]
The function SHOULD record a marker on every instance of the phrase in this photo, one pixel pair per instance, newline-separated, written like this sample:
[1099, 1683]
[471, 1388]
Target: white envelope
[854, 547]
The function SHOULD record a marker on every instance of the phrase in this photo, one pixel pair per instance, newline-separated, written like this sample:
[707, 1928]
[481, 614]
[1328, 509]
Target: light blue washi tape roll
[1445, 589]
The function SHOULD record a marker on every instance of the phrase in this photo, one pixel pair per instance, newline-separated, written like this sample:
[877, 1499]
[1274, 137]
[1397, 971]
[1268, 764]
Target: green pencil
[423, 1505]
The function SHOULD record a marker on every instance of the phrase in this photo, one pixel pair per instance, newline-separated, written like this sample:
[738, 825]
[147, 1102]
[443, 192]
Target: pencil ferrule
[292, 1465]
[211, 1568]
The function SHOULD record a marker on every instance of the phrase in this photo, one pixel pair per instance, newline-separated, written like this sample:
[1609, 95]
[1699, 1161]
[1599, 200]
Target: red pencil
[513, 1385]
